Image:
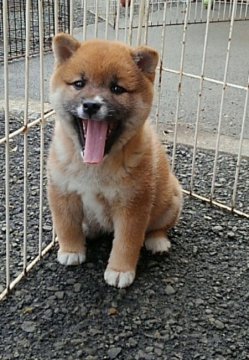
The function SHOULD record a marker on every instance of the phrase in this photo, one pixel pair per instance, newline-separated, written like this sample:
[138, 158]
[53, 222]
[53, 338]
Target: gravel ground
[16, 193]
[190, 304]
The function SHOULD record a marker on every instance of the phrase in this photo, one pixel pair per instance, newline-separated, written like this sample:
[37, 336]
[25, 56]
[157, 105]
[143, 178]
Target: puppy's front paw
[70, 258]
[157, 244]
[119, 279]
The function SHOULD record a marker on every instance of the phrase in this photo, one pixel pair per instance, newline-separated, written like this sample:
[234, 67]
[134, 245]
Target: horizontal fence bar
[26, 128]
[28, 268]
[182, 23]
[216, 203]
[199, 77]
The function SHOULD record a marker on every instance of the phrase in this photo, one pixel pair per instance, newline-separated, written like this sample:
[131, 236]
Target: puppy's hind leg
[156, 239]
[67, 213]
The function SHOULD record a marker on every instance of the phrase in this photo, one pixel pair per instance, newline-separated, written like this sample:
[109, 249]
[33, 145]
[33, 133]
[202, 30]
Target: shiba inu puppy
[107, 170]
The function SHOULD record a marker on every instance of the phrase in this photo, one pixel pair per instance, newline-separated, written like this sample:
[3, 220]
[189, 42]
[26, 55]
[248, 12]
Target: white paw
[119, 279]
[67, 258]
[157, 245]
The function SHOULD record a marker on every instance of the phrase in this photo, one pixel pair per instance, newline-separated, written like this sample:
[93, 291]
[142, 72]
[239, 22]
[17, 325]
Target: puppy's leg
[67, 213]
[156, 239]
[129, 232]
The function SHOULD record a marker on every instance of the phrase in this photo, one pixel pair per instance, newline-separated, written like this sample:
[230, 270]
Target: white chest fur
[98, 191]
[96, 205]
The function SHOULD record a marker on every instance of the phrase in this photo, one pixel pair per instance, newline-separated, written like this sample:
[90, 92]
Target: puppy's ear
[64, 46]
[146, 59]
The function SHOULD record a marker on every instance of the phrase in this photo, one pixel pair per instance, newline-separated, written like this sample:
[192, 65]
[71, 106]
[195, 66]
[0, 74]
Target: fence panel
[16, 17]
[200, 107]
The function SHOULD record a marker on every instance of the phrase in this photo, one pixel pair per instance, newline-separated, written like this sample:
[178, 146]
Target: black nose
[91, 107]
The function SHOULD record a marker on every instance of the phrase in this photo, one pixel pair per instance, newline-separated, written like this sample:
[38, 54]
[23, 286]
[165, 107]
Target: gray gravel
[190, 304]
[16, 185]
[225, 175]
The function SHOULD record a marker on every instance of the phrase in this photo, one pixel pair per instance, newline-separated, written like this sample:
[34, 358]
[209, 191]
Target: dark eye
[79, 84]
[117, 90]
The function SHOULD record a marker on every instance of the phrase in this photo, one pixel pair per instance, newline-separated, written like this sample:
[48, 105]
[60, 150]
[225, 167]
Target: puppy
[107, 170]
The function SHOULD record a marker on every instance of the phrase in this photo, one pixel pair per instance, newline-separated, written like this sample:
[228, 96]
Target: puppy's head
[102, 91]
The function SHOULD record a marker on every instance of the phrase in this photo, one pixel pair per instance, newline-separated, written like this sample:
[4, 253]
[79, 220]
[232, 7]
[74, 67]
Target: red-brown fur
[146, 199]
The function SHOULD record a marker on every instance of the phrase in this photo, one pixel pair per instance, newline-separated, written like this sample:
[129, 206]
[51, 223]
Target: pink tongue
[95, 141]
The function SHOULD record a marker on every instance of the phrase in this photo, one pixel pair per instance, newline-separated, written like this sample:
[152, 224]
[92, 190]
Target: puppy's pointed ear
[146, 59]
[64, 46]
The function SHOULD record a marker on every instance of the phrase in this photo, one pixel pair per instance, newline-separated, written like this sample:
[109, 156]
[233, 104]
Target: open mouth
[96, 138]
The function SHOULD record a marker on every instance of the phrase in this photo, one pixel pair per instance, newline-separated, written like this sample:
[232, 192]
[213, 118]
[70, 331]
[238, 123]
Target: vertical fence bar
[117, 20]
[84, 19]
[189, 12]
[170, 10]
[42, 123]
[96, 18]
[246, 9]
[240, 149]
[219, 10]
[157, 13]
[56, 11]
[200, 97]
[222, 99]
[71, 16]
[131, 22]
[107, 13]
[7, 148]
[201, 14]
[230, 7]
[22, 20]
[14, 30]
[213, 7]
[180, 82]
[140, 21]
[126, 22]
[25, 137]
[146, 20]
[196, 8]
[161, 64]
[150, 18]
[241, 8]
[177, 11]
[224, 9]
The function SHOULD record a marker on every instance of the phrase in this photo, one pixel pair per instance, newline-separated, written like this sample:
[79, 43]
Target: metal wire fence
[203, 80]
[16, 28]
[221, 11]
